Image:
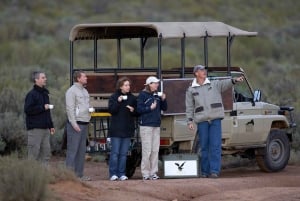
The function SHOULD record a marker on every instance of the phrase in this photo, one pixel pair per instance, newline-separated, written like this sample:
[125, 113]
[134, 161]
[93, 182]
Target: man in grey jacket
[205, 108]
[77, 106]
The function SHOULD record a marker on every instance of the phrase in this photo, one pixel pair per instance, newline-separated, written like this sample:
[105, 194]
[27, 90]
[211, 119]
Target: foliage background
[34, 36]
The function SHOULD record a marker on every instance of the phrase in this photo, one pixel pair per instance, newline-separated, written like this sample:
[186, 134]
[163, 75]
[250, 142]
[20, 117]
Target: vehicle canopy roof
[154, 29]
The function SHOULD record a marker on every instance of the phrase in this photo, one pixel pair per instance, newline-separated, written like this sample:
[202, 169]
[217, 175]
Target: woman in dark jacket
[122, 106]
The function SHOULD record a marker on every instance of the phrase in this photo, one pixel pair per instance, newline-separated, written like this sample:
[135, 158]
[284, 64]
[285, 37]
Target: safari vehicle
[251, 128]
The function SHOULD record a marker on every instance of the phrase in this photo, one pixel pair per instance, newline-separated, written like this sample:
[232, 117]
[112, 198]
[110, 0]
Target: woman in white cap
[205, 108]
[149, 107]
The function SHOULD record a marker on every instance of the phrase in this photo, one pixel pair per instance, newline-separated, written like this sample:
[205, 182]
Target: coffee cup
[91, 109]
[159, 93]
[124, 97]
[50, 106]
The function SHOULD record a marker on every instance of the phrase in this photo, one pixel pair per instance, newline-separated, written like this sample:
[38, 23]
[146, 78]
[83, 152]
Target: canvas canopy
[154, 29]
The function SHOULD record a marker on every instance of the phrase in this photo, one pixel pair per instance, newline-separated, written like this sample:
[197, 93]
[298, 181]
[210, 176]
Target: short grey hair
[35, 75]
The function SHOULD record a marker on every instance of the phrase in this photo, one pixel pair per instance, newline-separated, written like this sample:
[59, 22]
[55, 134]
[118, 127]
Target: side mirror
[257, 96]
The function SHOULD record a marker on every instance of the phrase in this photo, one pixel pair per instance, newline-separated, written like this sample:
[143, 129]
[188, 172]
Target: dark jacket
[122, 121]
[147, 116]
[36, 114]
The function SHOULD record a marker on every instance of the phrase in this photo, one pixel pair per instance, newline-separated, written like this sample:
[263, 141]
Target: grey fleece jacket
[204, 102]
[77, 104]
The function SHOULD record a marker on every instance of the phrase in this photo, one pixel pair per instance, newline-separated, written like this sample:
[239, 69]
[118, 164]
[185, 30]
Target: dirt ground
[243, 183]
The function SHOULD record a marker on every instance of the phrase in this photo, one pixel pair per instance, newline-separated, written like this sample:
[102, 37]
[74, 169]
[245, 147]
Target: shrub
[24, 180]
[60, 172]
[12, 132]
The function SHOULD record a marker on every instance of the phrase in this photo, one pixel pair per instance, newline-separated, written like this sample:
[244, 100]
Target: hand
[77, 128]
[239, 79]
[153, 105]
[130, 108]
[163, 96]
[120, 98]
[46, 106]
[52, 131]
[191, 126]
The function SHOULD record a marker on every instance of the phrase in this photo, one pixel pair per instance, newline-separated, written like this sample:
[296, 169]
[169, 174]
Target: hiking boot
[85, 178]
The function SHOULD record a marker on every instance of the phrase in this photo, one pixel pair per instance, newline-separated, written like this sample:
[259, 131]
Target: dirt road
[244, 184]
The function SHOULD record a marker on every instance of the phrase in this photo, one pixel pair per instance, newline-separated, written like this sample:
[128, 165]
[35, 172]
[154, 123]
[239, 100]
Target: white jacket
[77, 104]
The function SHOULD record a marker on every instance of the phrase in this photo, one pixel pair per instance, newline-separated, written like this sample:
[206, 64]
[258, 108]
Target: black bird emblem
[250, 122]
[180, 167]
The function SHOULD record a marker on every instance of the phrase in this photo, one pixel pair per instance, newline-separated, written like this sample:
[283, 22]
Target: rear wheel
[275, 156]
[132, 162]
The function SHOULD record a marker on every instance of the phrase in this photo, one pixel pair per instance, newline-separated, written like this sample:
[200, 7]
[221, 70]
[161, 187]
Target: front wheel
[275, 156]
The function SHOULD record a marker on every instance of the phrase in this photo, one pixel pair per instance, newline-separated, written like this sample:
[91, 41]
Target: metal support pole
[71, 62]
[95, 54]
[119, 53]
[159, 56]
[206, 51]
[183, 56]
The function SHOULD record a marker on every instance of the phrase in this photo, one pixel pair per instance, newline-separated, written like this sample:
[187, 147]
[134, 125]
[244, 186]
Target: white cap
[151, 79]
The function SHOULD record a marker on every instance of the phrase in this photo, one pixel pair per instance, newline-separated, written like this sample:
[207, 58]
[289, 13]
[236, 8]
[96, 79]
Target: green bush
[12, 133]
[24, 180]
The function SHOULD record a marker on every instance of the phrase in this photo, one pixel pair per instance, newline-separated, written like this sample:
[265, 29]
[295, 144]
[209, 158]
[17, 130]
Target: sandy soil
[243, 183]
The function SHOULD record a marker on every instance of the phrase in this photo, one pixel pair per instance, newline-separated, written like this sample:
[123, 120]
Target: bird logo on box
[180, 166]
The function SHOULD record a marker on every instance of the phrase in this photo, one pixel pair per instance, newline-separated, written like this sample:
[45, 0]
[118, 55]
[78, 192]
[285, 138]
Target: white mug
[124, 97]
[50, 106]
[160, 93]
[91, 109]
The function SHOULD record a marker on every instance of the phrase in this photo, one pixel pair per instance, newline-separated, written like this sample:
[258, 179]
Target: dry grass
[24, 180]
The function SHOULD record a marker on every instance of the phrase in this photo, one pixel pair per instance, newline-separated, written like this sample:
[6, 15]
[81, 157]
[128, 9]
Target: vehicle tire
[275, 156]
[132, 162]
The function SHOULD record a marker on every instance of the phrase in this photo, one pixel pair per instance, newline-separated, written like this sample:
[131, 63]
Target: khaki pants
[38, 145]
[150, 137]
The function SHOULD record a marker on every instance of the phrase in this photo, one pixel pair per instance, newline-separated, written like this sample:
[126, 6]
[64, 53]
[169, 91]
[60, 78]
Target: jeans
[118, 156]
[210, 136]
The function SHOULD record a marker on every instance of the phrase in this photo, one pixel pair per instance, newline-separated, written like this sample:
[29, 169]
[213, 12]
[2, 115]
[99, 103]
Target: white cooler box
[180, 165]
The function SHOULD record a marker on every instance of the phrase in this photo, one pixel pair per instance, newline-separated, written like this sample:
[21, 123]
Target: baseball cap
[198, 67]
[151, 79]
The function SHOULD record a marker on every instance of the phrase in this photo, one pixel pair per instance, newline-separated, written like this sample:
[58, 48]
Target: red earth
[243, 183]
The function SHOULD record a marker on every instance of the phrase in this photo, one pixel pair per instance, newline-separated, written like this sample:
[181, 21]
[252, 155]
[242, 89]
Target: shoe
[204, 176]
[114, 178]
[213, 176]
[146, 178]
[154, 177]
[85, 178]
[123, 178]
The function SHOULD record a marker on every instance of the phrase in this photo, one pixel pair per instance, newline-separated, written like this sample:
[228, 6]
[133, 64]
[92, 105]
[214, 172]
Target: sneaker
[85, 178]
[204, 176]
[213, 175]
[123, 178]
[114, 178]
[146, 178]
[154, 177]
